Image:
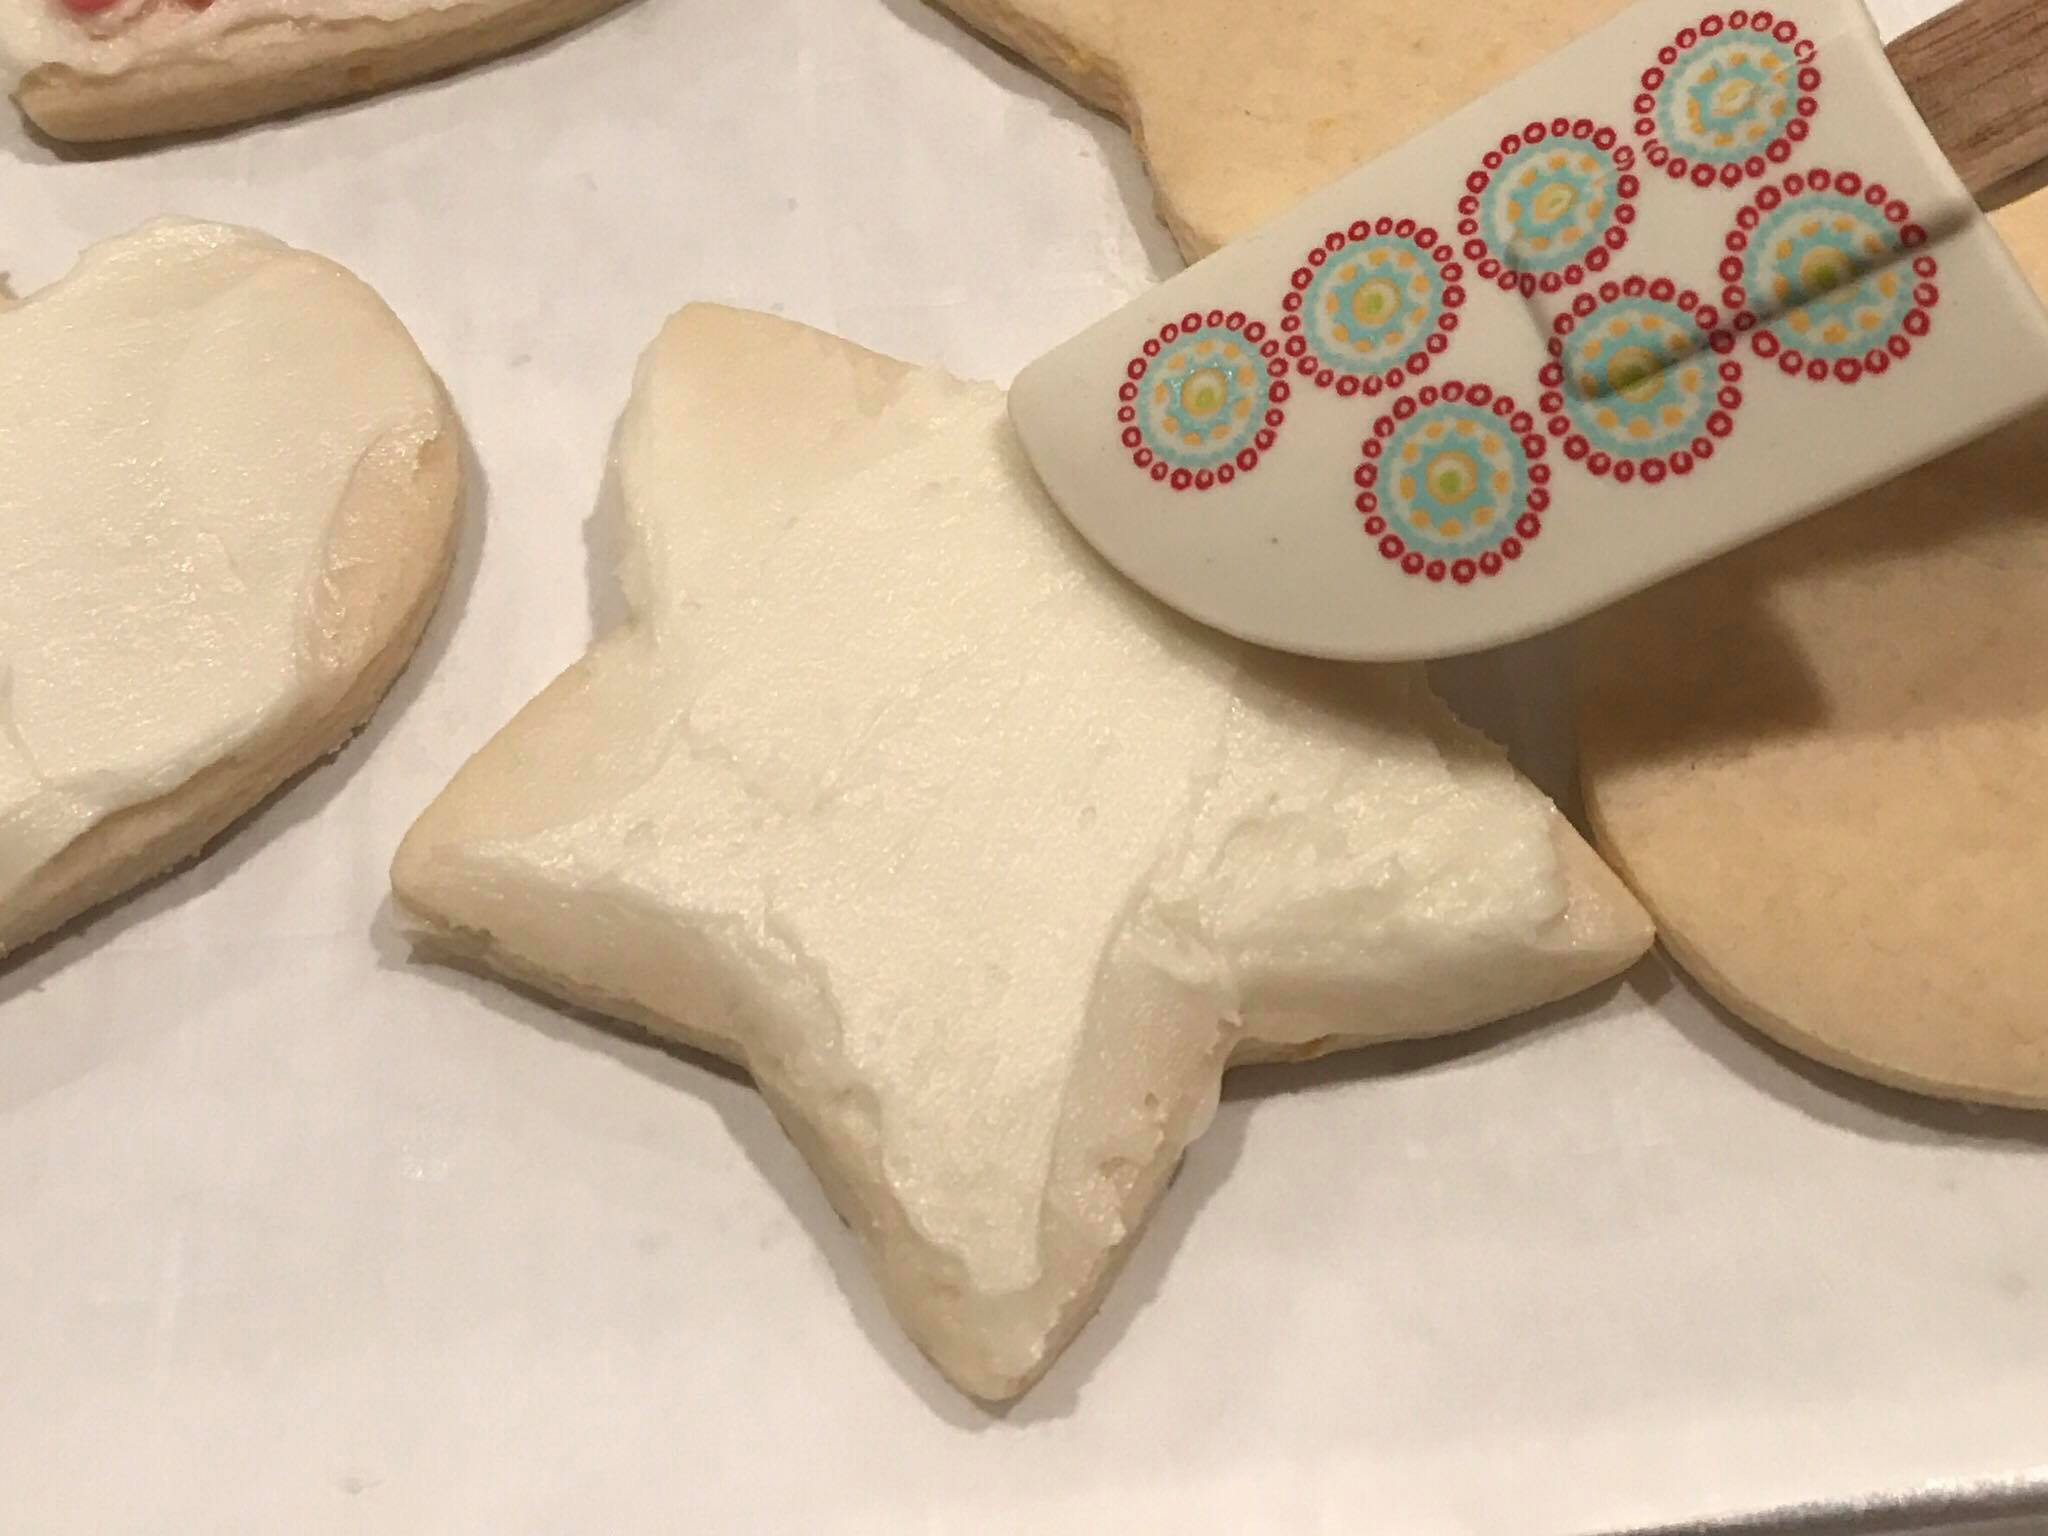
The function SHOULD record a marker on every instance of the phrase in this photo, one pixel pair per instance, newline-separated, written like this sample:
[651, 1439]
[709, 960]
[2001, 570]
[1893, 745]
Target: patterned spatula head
[1696, 276]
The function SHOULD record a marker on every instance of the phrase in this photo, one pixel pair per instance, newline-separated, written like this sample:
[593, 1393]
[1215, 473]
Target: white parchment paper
[299, 1236]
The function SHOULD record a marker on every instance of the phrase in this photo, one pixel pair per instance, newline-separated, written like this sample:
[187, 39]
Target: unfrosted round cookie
[1822, 763]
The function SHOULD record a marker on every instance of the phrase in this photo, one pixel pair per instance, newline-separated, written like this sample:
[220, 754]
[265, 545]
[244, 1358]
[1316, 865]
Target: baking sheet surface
[298, 1235]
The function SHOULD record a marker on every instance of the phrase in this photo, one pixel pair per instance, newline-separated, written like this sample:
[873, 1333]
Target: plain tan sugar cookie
[1244, 107]
[1822, 762]
[229, 484]
[186, 68]
[983, 864]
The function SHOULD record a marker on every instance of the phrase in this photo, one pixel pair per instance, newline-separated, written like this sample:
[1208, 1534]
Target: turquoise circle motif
[1453, 480]
[1204, 400]
[1550, 204]
[1728, 99]
[1373, 305]
[1638, 378]
[1825, 268]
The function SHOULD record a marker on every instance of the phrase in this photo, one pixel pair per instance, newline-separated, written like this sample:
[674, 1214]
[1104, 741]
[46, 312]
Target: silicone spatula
[1698, 275]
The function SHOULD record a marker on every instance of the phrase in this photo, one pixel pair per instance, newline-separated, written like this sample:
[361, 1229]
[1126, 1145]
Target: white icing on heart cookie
[227, 477]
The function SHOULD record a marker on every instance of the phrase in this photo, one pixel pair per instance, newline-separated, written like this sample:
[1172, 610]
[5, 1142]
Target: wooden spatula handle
[1979, 75]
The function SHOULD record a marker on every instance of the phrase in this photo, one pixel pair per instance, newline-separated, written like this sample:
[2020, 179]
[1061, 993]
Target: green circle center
[1205, 393]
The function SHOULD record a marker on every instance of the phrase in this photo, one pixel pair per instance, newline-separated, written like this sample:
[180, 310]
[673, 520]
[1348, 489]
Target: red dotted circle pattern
[1767, 28]
[1294, 351]
[1528, 524]
[1178, 477]
[1917, 321]
[1488, 263]
[1449, 274]
[1719, 421]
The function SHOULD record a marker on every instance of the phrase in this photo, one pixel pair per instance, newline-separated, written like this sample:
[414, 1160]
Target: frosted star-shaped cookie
[984, 865]
[1242, 110]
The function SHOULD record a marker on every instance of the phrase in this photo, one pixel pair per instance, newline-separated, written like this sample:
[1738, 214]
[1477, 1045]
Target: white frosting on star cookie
[983, 863]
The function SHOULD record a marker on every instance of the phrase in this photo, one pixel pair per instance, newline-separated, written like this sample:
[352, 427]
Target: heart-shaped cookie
[228, 488]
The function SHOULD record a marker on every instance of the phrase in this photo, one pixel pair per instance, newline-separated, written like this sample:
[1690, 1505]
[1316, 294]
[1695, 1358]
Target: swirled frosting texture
[181, 421]
[984, 864]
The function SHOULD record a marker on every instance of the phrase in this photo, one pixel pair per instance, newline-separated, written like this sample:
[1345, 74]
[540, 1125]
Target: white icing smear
[180, 419]
[39, 32]
[904, 767]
